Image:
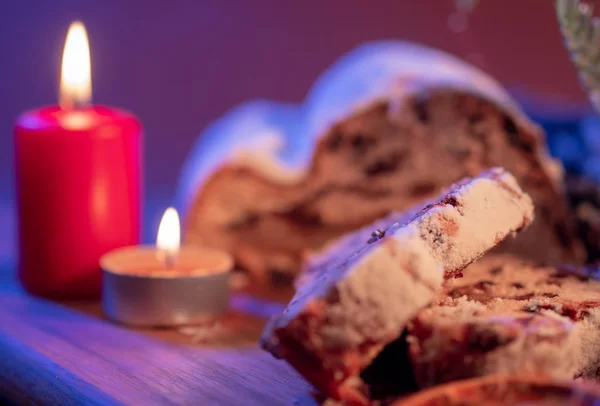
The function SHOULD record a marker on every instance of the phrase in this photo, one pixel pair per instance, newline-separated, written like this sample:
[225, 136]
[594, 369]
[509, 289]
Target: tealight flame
[75, 78]
[168, 238]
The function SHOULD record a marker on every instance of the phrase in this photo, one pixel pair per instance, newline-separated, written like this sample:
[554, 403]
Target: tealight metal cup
[139, 291]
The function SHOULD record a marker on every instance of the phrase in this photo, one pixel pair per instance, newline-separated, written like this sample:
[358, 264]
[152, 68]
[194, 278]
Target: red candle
[78, 183]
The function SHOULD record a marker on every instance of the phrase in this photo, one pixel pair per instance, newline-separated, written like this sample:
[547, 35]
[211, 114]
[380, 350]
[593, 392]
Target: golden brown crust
[503, 390]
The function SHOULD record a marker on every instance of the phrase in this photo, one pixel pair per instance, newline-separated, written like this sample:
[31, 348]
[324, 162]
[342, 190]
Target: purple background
[179, 64]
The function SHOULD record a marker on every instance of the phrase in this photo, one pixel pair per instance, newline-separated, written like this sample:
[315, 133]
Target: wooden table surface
[67, 354]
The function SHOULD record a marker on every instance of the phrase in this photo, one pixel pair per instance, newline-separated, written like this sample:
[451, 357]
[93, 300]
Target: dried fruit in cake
[507, 390]
[351, 312]
[507, 315]
[388, 126]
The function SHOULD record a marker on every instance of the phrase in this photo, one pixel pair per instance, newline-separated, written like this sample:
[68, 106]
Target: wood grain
[50, 354]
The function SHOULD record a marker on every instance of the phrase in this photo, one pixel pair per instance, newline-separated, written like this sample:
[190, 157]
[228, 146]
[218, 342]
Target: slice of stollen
[507, 390]
[361, 300]
[507, 316]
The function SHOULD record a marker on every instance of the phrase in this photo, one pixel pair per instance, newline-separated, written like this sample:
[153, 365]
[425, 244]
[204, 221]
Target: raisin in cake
[504, 390]
[340, 321]
[388, 126]
[510, 316]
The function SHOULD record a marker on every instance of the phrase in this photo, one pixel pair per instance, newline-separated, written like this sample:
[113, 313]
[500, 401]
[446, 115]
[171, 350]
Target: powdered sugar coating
[266, 136]
[460, 231]
[392, 70]
[487, 210]
[376, 276]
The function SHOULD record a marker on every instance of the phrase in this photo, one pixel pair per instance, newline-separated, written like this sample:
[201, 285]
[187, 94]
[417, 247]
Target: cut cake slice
[370, 285]
[506, 390]
[510, 316]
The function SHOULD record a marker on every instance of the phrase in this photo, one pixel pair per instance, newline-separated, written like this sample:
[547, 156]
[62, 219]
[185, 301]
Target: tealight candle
[166, 285]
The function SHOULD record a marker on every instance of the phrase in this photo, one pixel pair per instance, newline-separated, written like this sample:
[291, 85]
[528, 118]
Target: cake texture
[583, 193]
[388, 126]
[341, 318]
[510, 316]
[505, 390]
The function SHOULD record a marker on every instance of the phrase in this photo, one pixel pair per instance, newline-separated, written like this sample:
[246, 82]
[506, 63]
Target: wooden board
[56, 354]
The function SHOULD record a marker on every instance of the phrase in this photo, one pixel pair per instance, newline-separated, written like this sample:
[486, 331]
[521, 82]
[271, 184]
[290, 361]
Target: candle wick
[73, 103]
[169, 259]
[79, 104]
[76, 105]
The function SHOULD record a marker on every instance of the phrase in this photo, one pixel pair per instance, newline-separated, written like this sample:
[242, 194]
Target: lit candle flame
[168, 239]
[75, 78]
